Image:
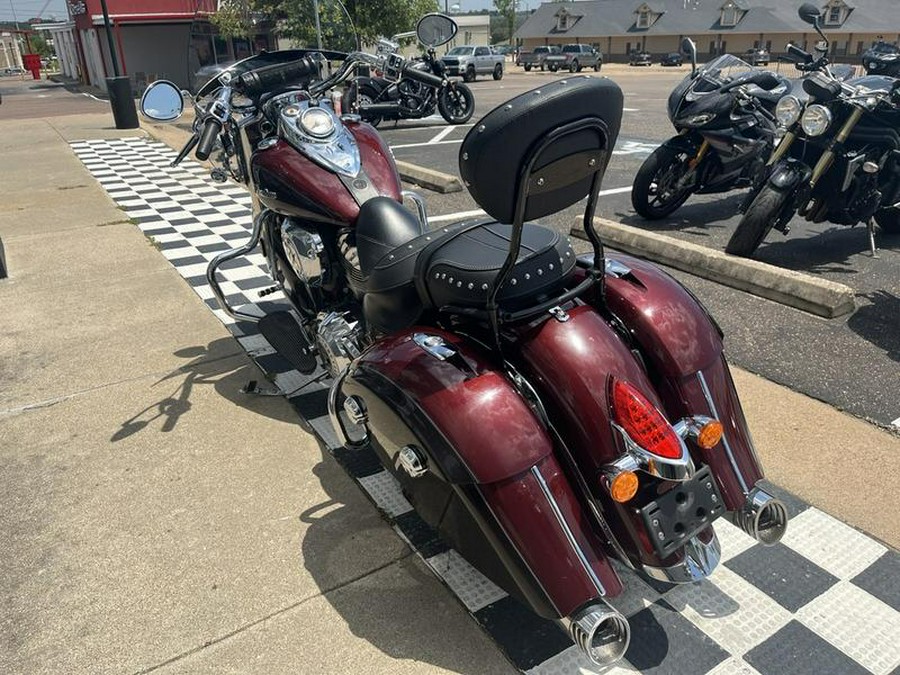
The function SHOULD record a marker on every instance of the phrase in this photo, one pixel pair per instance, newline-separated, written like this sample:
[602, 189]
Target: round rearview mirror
[435, 29]
[809, 13]
[162, 102]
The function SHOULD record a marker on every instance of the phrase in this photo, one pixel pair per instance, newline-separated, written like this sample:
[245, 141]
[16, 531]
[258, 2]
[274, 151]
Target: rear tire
[665, 166]
[574, 67]
[498, 72]
[469, 75]
[365, 95]
[456, 104]
[757, 222]
[597, 67]
[888, 220]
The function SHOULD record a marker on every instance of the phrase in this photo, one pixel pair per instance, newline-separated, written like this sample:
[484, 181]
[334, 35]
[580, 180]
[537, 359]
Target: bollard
[122, 102]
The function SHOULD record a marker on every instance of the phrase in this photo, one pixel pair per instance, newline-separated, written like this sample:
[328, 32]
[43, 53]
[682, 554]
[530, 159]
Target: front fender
[787, 175]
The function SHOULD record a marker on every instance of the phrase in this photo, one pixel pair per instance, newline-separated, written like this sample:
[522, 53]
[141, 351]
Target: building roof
[698, 17]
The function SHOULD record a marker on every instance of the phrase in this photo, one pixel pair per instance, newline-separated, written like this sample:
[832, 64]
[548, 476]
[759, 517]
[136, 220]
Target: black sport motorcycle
[726, 131]
[839, 160]
[389, 98]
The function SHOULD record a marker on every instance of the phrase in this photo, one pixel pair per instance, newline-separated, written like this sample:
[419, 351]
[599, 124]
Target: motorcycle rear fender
[492, 458]
[682, 347]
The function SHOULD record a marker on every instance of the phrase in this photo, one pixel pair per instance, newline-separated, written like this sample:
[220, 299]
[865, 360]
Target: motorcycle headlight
[699, 120]
[317, 122]
[816, 120]
[787, 110]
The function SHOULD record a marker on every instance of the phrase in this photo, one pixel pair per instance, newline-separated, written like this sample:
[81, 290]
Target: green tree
[295, 19]
[507, 9]
[39, 44]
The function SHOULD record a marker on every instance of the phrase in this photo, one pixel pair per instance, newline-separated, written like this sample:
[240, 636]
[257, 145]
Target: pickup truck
[535, 58]
[574, 57]
[472, 60]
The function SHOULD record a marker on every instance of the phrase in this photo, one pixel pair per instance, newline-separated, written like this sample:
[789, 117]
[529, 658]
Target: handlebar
[256, 82]
[211, 129]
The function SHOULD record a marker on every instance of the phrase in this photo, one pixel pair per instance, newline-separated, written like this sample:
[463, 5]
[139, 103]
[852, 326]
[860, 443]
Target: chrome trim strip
[568, 532]
[715, 414]
[680, 469]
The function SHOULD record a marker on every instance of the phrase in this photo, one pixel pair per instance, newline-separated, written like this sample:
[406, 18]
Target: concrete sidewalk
[153, 518]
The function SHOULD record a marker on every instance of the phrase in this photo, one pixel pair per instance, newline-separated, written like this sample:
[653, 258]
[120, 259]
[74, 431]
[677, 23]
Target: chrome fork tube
[827, 157]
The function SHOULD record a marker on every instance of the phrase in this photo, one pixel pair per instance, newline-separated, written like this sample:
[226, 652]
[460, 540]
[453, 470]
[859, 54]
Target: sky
[25, 9]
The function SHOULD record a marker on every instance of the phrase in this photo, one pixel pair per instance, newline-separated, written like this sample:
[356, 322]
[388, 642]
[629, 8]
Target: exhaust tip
[601, 633]
[763, 517]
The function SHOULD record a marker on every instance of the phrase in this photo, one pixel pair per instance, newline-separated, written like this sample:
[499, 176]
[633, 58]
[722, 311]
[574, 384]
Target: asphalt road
[28, 98]
[852, 362]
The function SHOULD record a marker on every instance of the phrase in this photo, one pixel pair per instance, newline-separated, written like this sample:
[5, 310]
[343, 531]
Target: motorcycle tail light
[710, 434]
[643, 422]
[623, 486]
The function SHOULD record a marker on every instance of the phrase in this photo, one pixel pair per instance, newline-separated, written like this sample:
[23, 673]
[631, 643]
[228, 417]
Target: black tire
[542, 67]
[527, 67]
[757, 222]
[665, 165]
[574, 67]
[498, 72]
[888, 220]
[456, 104]
[365, 95]
[597, 67]
[469, 75]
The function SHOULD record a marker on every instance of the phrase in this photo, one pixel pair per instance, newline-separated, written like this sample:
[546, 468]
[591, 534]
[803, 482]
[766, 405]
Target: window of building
[835, 12]
[859, 48]
[729, 15]
[643, 20]
[563, 20]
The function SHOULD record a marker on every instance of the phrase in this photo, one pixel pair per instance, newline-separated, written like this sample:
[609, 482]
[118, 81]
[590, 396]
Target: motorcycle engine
[339, 340]
[304, 252]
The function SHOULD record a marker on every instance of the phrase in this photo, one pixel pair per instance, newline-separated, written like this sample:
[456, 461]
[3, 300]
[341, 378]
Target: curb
[3, 269]
[429, 178]
[795, 289]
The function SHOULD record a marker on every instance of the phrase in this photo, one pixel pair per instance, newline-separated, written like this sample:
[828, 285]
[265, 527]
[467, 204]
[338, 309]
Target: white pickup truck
[472, 60]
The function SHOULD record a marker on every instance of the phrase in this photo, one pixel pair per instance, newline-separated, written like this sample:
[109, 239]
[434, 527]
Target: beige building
[474, 29]
[617, 27]
[10, 54]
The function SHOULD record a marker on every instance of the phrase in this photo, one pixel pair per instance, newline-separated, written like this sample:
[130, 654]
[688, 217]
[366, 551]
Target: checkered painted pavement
[826, 600]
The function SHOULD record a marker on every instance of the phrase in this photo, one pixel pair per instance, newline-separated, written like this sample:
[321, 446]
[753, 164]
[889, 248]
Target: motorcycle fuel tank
[290, 183]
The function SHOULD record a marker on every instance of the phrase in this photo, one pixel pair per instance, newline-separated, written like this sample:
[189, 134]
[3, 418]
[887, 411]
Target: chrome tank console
[318, 133]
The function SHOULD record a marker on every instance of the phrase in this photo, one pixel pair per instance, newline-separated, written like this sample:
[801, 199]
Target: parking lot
[852, 362]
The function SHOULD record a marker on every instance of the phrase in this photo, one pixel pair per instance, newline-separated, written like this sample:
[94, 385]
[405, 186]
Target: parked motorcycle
[839, 160]
[544, 412]
[726, 131]
[383, 98]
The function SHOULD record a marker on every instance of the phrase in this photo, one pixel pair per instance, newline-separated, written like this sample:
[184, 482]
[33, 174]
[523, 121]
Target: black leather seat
[457, 265]
[383, 225]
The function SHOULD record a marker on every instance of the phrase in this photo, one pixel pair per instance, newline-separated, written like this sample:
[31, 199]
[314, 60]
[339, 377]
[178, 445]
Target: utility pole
[119, 86]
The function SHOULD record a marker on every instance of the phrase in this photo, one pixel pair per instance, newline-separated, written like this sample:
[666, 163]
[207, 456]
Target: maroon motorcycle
[545, 412]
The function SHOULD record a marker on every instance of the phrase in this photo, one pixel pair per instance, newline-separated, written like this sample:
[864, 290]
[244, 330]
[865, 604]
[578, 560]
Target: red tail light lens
[643, 422]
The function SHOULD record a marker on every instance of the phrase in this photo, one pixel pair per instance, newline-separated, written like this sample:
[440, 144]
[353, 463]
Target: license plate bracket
[682, 512]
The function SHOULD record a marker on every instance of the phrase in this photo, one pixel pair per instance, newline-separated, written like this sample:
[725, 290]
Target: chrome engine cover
[303, 249]
[338, 340]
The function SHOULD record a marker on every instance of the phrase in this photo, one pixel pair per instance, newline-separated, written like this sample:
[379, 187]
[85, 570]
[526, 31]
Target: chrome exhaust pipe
[600, 631]
[763, 517]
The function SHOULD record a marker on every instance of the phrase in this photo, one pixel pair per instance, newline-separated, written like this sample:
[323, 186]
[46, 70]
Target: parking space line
[422, 145]
[475, 214]
[441, 135]
[896, 423]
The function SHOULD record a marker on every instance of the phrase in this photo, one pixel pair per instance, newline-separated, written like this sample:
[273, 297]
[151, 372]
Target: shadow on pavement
[388, 612]
[206, 367]
[879, 322]
[692, 216]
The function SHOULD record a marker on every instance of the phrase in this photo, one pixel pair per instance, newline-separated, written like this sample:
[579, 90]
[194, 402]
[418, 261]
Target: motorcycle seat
[455, 267]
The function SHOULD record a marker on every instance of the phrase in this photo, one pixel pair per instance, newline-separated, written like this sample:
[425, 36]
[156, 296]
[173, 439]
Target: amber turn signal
[710, 434]
[623, 486]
